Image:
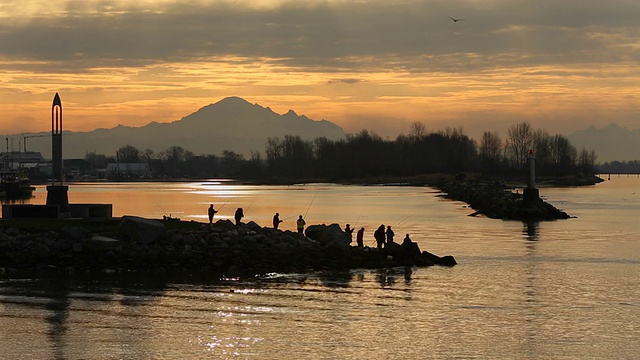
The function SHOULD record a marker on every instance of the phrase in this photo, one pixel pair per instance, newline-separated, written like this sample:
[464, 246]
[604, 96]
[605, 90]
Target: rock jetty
[497, 201]
[221, 249]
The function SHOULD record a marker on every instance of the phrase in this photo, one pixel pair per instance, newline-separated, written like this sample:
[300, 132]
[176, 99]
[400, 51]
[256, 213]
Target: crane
[25, 137]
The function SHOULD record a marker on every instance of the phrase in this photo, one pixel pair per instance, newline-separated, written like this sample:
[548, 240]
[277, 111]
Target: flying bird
[454, 19]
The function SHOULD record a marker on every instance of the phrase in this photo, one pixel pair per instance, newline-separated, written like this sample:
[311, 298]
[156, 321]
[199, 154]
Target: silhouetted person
[276, 221]
[360, 237]
[212, 212]
[379, 235]
[239, 215]
[300, 223]
[407, 241]
[349, 230]
[390, 235]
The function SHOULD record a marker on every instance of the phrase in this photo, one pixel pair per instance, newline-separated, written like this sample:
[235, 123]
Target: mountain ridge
[232, 124]
[610, 143]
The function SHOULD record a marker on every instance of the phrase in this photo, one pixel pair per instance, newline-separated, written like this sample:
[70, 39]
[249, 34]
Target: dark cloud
[331, 36]
[344, 81]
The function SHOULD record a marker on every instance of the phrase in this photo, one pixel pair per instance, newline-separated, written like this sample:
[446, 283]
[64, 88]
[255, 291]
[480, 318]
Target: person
[301, 223]
[379, 236]
[407, 241]
[360, 237]
[349, 230]
[212, 212]
[239, 215]
[390, 235]
[276, 220]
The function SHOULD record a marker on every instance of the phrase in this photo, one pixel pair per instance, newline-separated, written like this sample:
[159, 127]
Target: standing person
[390, 235]
[379, 236]
[212, 212]
[349, 230]
[301, 223]
[276, 220]
[360, 237]
[239, 215]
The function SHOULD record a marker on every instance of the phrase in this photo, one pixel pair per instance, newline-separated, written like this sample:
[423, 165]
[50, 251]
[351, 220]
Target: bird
[454, 19]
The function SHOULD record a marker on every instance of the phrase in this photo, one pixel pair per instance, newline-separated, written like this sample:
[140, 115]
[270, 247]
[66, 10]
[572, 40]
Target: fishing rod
[309, 207]
[247, 209]
[225, 203]
[359, 216]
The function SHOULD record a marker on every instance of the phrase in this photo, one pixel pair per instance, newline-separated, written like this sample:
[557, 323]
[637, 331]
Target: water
[565, 289]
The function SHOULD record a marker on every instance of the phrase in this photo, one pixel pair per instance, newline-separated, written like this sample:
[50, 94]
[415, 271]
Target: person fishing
[390, 235]
[276, 221]
[212, 212]
[300, 223]
[239, 215]
[379, 235]
[360, 237]
[349, 231]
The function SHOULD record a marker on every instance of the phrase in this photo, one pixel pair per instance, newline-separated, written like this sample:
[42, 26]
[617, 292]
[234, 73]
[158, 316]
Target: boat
[15, 186]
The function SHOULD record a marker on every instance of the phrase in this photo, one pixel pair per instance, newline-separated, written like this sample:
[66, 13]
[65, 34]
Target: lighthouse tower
[531, 195]
[56, 192]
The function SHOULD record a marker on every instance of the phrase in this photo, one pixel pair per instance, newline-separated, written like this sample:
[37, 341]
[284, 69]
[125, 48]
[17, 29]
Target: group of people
[381, 236]
[300, 223]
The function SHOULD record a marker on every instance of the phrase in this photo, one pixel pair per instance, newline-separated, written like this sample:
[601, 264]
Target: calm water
[564, 289]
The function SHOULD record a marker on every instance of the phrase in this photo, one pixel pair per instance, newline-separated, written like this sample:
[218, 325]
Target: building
[128, 170]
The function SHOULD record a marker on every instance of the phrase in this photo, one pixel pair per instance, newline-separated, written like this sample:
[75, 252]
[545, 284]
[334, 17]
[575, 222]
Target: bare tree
[587, 160]
[417, 131]
[490, 149]
[519, 138]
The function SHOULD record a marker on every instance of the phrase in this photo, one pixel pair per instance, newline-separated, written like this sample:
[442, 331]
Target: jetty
[147, 246]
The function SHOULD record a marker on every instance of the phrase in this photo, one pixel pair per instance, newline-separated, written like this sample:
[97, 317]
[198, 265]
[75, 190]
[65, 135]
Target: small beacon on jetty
[531, 194]
[56, 192]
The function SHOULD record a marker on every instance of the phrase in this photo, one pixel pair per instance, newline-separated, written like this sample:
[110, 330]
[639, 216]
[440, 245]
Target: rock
[74, 233]
[141, 230]
[98, 242]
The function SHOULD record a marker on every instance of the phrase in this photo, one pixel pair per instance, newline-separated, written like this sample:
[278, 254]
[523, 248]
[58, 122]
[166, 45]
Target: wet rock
[141, 230]
[98, 242]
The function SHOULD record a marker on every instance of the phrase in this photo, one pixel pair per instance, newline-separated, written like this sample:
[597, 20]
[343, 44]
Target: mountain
[230, 124]
[610, 143]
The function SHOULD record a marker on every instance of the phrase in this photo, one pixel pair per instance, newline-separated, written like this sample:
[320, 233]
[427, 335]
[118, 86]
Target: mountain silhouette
[231, 124]
[610, 143]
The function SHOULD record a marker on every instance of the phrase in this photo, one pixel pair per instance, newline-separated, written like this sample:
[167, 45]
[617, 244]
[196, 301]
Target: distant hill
[230, 124]
[610, 143]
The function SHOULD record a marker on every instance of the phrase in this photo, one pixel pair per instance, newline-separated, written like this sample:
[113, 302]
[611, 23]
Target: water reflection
[59, 313]
[531, 230]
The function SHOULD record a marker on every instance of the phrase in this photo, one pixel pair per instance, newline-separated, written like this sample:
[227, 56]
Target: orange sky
[562, 66]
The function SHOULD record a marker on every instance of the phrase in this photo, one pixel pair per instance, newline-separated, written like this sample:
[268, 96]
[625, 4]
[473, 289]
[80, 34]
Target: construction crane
[25, 137]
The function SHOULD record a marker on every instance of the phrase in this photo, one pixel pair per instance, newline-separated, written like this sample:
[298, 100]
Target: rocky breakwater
[495, 200]
[221, 249]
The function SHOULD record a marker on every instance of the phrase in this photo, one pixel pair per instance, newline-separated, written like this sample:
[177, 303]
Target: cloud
[319, 34]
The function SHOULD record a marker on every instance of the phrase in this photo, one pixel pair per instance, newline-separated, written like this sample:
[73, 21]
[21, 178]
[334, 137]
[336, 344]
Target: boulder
[99, 242]
[74, 233]
[143, 231]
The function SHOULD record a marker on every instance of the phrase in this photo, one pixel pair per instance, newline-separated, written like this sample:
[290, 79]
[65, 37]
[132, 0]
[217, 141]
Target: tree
[231, 162]
[490, 150]
[587, 161]
[519, 139]
[417, 131]
[128, 154]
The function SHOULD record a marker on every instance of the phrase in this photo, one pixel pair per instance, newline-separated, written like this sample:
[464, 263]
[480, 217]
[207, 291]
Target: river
[563, 289]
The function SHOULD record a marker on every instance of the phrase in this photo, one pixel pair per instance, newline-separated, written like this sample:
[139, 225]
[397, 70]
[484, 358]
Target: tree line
[366, 154]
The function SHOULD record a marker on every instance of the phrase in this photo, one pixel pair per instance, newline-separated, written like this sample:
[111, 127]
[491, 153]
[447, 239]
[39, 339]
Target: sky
[378, 65]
